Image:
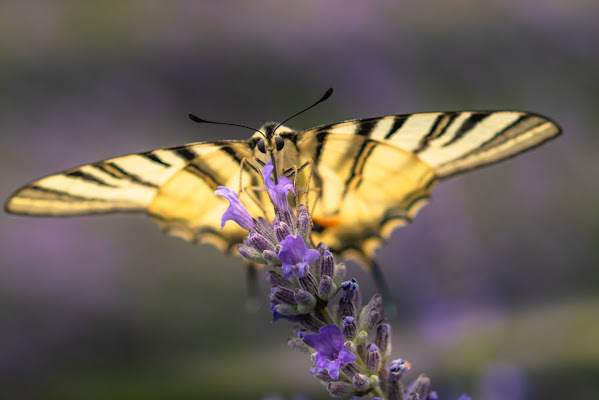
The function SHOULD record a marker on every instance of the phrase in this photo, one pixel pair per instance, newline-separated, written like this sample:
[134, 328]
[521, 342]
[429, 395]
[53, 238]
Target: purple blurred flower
[330, 351]
[278, 193]
[236, 210]
[295, 256]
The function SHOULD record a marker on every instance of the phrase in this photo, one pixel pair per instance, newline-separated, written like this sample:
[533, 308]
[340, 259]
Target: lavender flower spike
[236, 210]
[295, 256]
[278, 193]
[330, 351]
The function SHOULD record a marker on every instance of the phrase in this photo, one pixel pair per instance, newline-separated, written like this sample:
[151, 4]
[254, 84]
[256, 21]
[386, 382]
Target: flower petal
[236, 210]
[286, 271]
[278, 193]
[328, 343]
[300, 270]
[293, 250]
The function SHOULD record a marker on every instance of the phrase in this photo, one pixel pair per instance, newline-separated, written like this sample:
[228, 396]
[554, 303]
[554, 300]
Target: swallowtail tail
[369, 176]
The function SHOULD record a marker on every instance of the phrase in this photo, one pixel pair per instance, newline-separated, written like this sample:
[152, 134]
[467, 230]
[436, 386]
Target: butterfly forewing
[375, 174]
[368, 176]
[186, 206]
[175, 186]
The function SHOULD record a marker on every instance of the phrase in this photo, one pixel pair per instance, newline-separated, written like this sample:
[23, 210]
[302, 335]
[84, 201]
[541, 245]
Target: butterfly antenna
[327, 94]
[199, 120]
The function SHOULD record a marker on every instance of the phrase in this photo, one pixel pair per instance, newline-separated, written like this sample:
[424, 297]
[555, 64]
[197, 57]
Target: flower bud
[264, 228]
[375, 381]
[302, 209]
[310, 323]
[371, 313]
[361, 382]
[277, 280]
[340, 271]
[282, 230]
[287, 310]
[341, 390]
[395, 390]
[413, 396]
[309, 283]
[350, 346]
[305, 300]
[346, 310]
[361, 338]
[304, 222]
[434, 396]
[271, 257]
[350, 370]
[259, 242]
[321, 247]
[298, 344]
[349, 328]
[322, 375]
[282, 295]
[287, 217]
[348, 288]
[383, 339]
[373, 359]
[327, 264]
[371, 320]
[421, 386]
[346, 306]
[251, 254]
[326, 289]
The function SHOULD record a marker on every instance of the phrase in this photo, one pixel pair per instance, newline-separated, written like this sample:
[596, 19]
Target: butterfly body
[367, 177]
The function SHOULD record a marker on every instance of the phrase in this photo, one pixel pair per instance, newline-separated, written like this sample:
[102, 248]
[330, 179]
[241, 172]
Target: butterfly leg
[252, 302]
[250, 190]
[294, 171]
[250, 167]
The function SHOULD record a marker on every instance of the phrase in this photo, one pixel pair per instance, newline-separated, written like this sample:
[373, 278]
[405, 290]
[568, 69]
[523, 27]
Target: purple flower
[295, 256]
[278, 193]
[398, 366]
[236, 211]
[330, 351]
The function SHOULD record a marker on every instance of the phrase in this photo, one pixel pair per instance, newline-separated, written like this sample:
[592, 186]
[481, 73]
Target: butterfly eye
[261, 146]
[279, 142]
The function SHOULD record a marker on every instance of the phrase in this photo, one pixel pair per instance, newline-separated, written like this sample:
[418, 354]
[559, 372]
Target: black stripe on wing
[184, 152]
[116, 171]
[154, 158]
[525, 123]
[207, 176]
[441, 124]
[88, 177]
[397, 124]
[467, 126]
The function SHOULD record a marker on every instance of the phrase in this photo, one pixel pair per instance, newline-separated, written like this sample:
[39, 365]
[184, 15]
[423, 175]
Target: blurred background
[496, 281]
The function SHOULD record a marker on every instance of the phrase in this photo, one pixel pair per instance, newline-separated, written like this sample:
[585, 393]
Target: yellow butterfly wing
[373, 175]
[174, 186]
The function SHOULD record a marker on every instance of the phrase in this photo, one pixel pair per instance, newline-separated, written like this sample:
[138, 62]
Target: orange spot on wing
[327, 222]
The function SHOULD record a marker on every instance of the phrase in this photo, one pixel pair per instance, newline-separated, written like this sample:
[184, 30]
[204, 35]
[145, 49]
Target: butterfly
[367, 177]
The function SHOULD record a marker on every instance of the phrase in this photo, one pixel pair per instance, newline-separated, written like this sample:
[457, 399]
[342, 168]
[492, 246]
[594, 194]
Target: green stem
[327, 315]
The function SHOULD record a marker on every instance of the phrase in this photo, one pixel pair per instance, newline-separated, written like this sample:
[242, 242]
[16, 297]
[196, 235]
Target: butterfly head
[275, 142]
